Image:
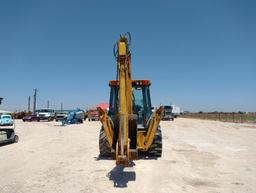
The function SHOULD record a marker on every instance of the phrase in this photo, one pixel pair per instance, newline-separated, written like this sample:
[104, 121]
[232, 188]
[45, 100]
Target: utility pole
[28, 104]
[34, 104]
[61, 106]
[48, 104]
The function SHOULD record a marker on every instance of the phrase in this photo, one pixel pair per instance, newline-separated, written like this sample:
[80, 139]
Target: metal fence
[226, 117]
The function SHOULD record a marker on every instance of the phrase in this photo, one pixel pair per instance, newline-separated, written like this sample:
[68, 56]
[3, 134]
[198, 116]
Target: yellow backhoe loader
[130, 126]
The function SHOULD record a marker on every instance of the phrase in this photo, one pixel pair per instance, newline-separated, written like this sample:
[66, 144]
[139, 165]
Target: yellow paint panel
[122, 49]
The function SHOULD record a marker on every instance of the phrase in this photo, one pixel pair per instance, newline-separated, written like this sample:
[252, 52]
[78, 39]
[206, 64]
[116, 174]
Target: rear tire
[104, 147]
[155, 149]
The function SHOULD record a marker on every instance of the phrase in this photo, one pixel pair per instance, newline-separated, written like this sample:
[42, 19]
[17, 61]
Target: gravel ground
[198, 156]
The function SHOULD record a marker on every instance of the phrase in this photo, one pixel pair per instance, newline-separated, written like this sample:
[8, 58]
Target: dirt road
[198, 156]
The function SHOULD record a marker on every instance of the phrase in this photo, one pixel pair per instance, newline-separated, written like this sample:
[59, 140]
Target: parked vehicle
[167, 114]
[176, 111]
[8, 135]
[93, 115]
[45, 114]
[6, 120]
[7, 129]
[30, 118]
[61, 116]
[74, 117]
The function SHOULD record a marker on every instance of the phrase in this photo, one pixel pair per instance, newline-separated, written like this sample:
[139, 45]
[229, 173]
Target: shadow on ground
[142, 156]
[119, 174]
[120, 177]
[6, 143]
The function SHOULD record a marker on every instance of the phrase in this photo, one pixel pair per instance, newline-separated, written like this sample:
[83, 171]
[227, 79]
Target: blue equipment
[74, 117]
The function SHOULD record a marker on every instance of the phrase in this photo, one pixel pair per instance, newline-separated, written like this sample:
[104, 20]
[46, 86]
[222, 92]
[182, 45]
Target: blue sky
[200, 55]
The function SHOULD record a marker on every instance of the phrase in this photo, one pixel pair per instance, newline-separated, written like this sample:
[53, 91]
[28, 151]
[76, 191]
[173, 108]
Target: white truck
[45, 114]
[167, 114]
[176, 111]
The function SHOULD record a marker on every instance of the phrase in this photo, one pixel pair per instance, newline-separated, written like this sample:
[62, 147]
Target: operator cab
[140, 97]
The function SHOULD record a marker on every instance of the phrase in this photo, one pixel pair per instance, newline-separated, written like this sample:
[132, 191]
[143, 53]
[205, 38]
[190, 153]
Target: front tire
[155, 149]
[104, 147]
[16, 139]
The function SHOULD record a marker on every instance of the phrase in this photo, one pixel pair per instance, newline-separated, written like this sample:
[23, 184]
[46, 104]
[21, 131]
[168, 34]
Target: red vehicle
[93, 115]
[30, 118]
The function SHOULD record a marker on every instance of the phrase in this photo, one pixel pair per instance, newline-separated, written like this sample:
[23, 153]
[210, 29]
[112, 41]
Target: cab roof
[134, 82]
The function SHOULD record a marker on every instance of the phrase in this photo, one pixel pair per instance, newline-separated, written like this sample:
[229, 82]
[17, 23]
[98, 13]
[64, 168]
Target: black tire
[104, 147]
[155, 149]
[133, 131]
[16, 139]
